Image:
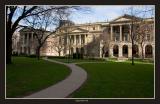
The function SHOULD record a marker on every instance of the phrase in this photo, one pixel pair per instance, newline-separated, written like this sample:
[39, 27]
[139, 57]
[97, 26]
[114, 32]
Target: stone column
[120, 51]
[70, 39]
[27, 43]
[139, 51]
[74, 49]
[28, 39]
[120, 32]
[23, 38]
[75, 39]
[128, 37]
[129, 32]
[80, 39]
[32, 44]
[67, 40]
[129, 51]
[144, 51]
[111, 33]
[111, 51]
[100, 48]
[85, 39]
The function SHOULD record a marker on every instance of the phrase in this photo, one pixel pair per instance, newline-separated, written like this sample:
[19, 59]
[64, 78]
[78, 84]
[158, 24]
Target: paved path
[64, 87]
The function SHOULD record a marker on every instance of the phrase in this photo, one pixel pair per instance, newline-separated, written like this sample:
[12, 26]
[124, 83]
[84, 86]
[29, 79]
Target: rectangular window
[116, 36]
[148, 37]
[93, 28]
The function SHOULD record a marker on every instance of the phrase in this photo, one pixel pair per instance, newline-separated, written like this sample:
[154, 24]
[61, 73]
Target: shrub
[77, 56]
[59, 57]
[15, 54]
[32, 56]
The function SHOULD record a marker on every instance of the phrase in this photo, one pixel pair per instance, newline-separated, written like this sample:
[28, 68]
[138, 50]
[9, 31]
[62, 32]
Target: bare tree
[145, 28]
[136, 16]
[16, 14]
[105, 41]
[11, 25]
[40, 25]
[58, 45]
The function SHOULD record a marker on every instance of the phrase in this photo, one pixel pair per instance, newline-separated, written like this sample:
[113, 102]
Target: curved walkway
[65, 87]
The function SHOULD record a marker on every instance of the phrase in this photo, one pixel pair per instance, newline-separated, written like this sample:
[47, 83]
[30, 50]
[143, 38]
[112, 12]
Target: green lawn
[28, 75]
[117, 80]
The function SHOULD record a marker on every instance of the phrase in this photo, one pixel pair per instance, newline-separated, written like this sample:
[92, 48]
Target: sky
[101, 13]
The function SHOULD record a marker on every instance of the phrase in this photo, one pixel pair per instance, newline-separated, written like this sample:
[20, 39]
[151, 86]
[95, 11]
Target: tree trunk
[132, 53]
[38, 52]
[8, 46]
[59, 53]
[142, 52]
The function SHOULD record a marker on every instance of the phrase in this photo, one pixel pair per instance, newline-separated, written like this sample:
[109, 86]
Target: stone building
[100, 39]
[15, 43]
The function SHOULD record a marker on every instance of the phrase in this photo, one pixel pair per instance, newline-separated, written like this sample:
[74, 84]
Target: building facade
[100, 39]
[15, 43]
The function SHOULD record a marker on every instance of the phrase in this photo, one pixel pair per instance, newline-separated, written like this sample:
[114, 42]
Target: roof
[30, 29]
[79, 30]
[125, 17]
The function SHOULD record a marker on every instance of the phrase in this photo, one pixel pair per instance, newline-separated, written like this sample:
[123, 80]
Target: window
[25, 40]
[116, 36]
[93, 28]
[30, 35]
[148, 37]
[72, 39]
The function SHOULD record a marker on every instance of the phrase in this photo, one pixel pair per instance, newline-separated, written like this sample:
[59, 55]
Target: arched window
[135, 51]
[115, 50]
[125, 50]
[148, 51]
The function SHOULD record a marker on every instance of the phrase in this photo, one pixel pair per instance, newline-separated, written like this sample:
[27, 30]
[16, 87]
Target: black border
[76, 2]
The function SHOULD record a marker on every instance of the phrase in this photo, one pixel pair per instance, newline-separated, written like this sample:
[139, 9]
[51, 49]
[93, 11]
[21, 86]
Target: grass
[117, 80]
[28, 75]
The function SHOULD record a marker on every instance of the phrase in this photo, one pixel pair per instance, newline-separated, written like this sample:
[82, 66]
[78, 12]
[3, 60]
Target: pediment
[125, 18]
[122, 19]
[79, 30]
[25, 29]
